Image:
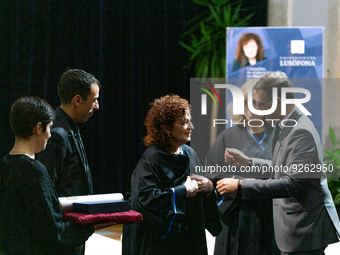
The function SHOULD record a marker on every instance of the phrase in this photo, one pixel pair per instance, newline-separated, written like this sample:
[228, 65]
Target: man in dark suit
[305, 219]
[65, 157]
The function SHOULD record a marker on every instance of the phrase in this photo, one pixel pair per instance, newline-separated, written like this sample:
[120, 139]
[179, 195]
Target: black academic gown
[30, 213]
[172, 223]
[248, 224]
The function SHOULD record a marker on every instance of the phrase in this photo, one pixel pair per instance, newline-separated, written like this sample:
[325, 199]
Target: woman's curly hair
[163, 111]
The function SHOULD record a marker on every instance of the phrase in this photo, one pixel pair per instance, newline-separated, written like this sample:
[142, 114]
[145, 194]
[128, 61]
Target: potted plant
[207, 33]
[333, 157]
[207, 42]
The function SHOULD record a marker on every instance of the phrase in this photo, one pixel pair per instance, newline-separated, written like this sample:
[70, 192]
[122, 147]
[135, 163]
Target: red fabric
[129, 217]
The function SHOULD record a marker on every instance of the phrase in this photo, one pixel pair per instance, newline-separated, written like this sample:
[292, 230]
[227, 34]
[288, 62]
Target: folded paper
[67, 202]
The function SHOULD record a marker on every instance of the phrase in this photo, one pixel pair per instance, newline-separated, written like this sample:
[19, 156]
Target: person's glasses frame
[259, 105]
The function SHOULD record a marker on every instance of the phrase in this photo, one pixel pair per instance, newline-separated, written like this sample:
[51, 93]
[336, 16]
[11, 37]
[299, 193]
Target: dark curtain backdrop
[131, 46]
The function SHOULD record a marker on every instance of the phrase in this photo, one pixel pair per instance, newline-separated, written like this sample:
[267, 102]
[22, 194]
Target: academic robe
[30, 213]
[248, 224]
[172, 223]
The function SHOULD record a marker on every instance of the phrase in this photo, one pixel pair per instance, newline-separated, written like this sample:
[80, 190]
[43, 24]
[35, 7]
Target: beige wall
[324, 13]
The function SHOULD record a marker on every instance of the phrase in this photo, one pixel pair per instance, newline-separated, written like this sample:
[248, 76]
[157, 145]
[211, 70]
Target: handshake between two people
[198, 184]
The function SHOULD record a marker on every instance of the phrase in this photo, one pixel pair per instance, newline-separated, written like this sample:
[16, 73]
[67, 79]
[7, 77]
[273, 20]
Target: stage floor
[107, 241]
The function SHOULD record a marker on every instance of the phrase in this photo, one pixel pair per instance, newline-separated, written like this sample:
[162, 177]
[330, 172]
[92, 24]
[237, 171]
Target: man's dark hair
[274, 80]
[27, 112]
[75, 82]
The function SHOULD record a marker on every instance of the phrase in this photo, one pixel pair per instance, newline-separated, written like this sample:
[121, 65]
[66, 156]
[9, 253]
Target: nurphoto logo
[238, 103]
[204, 97]
[238, 100]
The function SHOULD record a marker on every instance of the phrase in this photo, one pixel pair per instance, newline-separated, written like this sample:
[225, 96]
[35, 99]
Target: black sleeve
[54, 154]
[45, 207]
[162, 209]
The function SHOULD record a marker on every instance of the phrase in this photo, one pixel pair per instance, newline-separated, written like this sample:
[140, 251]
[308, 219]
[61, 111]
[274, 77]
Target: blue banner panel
[254, 51]
[295, 51]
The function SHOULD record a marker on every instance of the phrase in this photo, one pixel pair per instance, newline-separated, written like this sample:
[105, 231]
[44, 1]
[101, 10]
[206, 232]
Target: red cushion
[129, 217]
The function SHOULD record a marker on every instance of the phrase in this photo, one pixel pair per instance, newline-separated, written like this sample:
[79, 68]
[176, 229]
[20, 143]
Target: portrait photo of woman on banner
[249, 51]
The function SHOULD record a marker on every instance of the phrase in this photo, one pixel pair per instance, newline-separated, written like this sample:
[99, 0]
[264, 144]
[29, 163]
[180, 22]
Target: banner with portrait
[255, 51]
[298, 51]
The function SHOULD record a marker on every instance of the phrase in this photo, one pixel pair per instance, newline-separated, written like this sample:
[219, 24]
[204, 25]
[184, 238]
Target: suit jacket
[65, 159]
[304, 213]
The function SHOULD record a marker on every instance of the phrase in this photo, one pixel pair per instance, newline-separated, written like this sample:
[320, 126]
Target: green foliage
[208, 36]
[333, 157]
